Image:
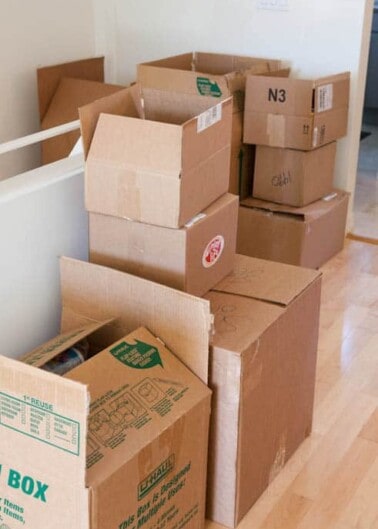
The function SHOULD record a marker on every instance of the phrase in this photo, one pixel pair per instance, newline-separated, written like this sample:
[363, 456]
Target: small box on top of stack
[220, 76]
[295, 215]
[157, 175]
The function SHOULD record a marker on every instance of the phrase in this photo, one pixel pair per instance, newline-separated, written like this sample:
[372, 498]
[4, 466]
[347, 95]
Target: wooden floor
[332, 480]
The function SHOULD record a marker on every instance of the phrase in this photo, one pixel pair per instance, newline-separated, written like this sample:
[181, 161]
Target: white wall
[319, 37]
[42, 217]
[32, 34]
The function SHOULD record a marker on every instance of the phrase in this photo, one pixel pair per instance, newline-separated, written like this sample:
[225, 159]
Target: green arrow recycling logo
[206, 87]
[137, 356]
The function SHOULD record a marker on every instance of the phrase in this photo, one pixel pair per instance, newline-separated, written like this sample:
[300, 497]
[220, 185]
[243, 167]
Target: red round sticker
[213, 251]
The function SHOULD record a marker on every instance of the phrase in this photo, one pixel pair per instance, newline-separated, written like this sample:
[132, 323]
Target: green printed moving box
[129, 431]
[120, 441]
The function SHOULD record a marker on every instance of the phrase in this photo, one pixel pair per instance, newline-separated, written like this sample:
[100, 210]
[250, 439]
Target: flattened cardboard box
[144, 464]
[292, 177]
[64, 107]
[62, 89]
[262, 373]
[307, 236]
[217, 75]
[296, 113]
[155, 157]
[193, 258]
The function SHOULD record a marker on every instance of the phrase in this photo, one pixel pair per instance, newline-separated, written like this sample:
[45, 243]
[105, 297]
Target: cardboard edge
[48, 78]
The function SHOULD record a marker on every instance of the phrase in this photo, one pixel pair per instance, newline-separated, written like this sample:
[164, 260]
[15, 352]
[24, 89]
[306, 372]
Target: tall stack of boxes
[294, 216]
[157, 176]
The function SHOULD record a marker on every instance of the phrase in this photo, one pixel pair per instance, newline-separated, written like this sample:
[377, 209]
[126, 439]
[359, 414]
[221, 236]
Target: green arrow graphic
[137, 356]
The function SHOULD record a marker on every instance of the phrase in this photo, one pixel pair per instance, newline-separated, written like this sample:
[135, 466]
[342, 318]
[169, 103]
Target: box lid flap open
[182, 321]
[126, 102]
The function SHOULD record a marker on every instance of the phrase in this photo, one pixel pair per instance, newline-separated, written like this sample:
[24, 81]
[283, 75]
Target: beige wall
[35, 33]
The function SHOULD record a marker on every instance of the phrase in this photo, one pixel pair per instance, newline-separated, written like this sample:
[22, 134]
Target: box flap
[305, 213]
[221, 64]
[266, 280]
[138, 389]
[48, 78]
[183, 61]
[69, 96]
[332, 92]
[126, 102]
[174, 107]
[132, 147]
[182, 321]
[49, 350]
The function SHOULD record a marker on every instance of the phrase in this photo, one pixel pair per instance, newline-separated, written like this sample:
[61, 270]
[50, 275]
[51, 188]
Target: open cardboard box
[139, 392]
[155, 157]
[62, 89]
[262, 373]
[308, 236]
[296, 113]
[193, 258]
[217, 75]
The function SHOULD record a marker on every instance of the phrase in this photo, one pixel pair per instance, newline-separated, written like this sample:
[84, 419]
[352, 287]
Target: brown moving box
[155, 157]
[296, 113]
[43, 417]
[193, 258]
[137, 454]
[217, 75]
[292, 177]
[307, 236]
[62, 89]
[262, 373]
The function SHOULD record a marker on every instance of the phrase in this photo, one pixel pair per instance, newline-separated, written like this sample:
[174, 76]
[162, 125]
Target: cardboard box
[156, 157]
[296, 113]
[291, 177]
[307, 236]
[193, 258]
[207, 74]
[134, 443]
[217, 75]
[262, 373]
[43, 417]
[62, 89]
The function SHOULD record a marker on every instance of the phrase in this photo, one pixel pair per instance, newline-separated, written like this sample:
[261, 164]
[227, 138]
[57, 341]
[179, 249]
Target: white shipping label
[315, 137]
[208, 118]
[325, 97]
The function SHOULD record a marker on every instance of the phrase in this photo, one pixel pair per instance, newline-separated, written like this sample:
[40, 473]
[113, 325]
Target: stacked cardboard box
[295, 215]
[262, 373]
[156, 176]
[219, 76]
